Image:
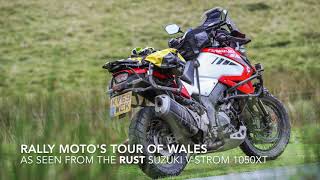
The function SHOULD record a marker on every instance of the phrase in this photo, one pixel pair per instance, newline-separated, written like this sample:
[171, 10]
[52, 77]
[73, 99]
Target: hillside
[67, 42]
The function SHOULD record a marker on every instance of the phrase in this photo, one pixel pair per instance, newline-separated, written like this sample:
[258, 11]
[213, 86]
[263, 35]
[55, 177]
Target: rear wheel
[147, 129]
[266, 135]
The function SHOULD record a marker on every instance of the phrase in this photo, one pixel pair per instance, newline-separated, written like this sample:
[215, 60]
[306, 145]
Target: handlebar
[219, 34]
[221, 38]
[241, 41]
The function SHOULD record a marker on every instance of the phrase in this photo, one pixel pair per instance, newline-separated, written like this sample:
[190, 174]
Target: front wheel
[147, 129]
[267, 134]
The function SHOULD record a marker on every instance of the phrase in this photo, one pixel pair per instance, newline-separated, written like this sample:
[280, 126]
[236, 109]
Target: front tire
[250, 145]
[142, 131]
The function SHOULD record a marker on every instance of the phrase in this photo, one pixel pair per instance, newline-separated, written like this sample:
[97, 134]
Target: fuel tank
[223, 65]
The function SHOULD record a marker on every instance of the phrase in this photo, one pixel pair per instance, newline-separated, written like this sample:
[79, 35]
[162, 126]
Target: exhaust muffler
[178, 117]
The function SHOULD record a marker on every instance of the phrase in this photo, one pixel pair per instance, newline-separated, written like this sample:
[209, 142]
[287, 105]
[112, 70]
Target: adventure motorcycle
[202, 90]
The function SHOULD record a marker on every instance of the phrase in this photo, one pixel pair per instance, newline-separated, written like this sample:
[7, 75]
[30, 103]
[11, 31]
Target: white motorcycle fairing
[212, 67]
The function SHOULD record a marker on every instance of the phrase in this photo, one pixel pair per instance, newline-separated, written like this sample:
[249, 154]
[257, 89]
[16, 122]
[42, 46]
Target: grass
[206, 169]
[52, 84]
[72, 39]
[68, 118]
[56, 118]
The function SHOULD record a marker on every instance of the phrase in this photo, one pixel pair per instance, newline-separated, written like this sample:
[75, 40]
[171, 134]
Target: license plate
[120, 104]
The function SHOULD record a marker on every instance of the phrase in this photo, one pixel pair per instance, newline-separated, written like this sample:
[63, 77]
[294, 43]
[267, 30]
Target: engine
[225, 134]
[224, 116]
[232, 134]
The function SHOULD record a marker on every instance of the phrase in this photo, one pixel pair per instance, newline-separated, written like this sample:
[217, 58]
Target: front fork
[266, 118]
[260, 113]
[261, 108]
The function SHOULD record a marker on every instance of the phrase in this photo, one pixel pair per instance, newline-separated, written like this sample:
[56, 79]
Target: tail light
[121, 77]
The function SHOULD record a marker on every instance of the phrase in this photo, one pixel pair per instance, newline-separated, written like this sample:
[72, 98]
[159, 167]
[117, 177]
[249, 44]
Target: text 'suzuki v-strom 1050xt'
[201, 91]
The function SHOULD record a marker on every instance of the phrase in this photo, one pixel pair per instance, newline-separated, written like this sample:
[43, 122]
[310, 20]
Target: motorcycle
[202, 90]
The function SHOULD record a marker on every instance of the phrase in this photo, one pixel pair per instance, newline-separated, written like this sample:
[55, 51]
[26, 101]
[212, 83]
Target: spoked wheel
[147, 129]
[266, 135]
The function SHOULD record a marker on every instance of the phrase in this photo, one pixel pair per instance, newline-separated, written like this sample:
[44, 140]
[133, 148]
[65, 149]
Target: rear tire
[139, 133]
[248, 147]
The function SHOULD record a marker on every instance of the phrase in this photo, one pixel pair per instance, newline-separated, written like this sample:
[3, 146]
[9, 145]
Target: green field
[206, 169]
[68, 41]
[52, 86]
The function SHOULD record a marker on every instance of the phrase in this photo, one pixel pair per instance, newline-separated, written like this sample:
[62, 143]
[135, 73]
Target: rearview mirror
[223, 15]
[172, 29]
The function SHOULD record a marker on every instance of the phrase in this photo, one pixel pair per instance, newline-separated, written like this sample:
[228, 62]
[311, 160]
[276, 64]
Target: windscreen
[212, 17]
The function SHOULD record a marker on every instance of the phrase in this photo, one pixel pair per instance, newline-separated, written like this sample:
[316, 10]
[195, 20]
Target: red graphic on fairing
[227, 52]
